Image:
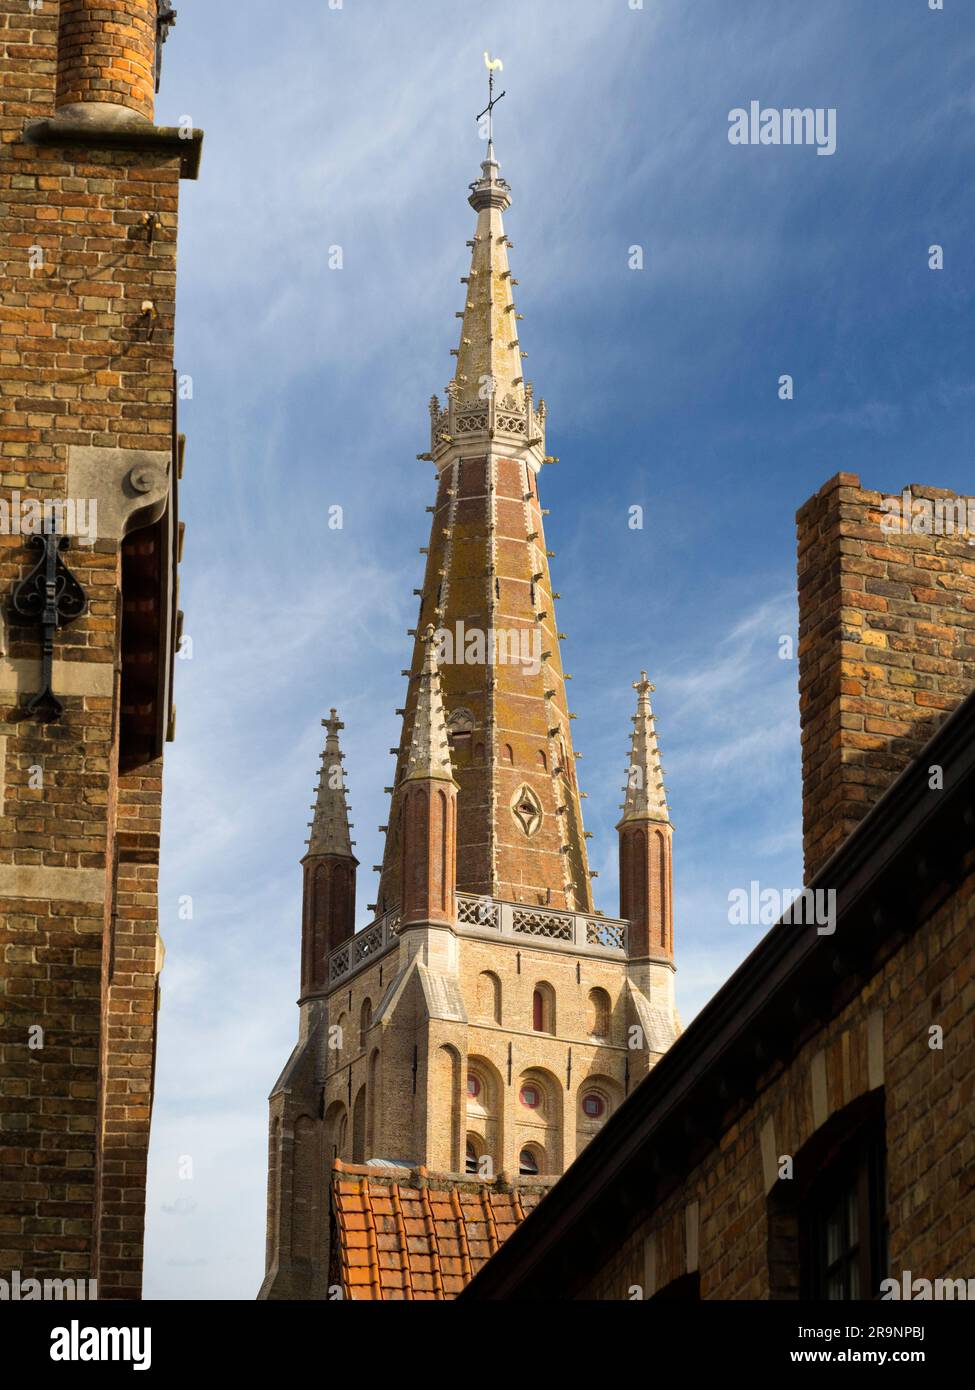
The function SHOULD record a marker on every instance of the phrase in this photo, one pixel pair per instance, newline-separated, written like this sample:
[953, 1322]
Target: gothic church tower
[488, 1020]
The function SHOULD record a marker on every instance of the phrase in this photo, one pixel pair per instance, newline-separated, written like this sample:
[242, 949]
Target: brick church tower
[89, 543]
[456, 1055]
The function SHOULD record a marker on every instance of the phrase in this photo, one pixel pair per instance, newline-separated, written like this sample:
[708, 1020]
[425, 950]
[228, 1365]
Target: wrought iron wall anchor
[149, 316]
[152, 222]
[51, 596]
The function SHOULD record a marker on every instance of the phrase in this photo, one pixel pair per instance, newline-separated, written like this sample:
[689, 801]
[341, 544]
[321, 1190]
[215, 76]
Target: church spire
[429, 756]
[330, 826]
[646, 798]
[487, 589]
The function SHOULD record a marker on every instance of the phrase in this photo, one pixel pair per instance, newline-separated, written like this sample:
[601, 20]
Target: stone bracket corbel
[129, 486]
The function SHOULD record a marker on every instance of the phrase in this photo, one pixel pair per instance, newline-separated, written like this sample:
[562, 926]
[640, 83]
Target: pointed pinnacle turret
[430, 748]
[646, 798]
[330, 826]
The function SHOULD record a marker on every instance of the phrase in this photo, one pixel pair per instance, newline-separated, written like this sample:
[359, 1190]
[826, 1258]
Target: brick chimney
[886, 642]
[106, 59]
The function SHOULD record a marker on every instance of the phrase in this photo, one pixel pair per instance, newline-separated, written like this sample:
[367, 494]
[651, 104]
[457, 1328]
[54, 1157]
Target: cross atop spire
[491, 64]
[646, 798]
[330, 825]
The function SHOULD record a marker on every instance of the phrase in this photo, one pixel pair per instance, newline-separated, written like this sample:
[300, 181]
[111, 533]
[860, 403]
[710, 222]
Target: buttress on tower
[488, 1020]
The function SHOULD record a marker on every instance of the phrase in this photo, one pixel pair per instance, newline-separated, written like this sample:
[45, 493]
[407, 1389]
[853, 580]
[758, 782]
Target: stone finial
[490, 190]
[330, 826]
[430, 749]
[646, 798]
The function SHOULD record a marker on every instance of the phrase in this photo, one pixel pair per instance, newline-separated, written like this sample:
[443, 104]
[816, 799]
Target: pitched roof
[409, 1234]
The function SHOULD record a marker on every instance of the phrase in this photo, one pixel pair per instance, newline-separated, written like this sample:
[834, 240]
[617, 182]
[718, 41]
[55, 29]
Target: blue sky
[354, 127]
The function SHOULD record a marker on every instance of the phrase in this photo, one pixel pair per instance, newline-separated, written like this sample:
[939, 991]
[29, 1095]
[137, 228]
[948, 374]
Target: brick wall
[886, 647]
[128, 1032]
[85, 395]
[30, 64]
[881, 1039]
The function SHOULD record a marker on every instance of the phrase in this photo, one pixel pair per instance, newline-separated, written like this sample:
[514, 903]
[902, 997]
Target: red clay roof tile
[399, 1238]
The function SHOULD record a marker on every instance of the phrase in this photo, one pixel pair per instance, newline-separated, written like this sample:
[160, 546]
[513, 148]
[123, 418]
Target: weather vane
[491, 63]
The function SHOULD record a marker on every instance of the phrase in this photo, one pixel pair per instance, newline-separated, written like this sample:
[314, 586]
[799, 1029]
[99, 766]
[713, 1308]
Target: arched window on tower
[484, 1112]
[340, 1042]
[528, 1163]
[538, 1120]
[597, 1014]
[335, 1124]
[543, 1008]
[365, 1021]
[488, 997]
[359, 1127]
[597, 1099]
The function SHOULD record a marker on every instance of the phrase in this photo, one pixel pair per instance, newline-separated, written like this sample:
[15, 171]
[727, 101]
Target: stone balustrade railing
[476, 915]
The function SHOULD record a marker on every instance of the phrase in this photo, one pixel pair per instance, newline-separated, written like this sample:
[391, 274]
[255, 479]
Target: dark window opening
[843, 1227]
[538, 1012]
[827, 1223]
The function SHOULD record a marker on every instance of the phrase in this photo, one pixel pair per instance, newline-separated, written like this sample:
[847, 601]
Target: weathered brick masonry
[89, 192]
[879, 1040]
[106, 53]
[887, 647]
